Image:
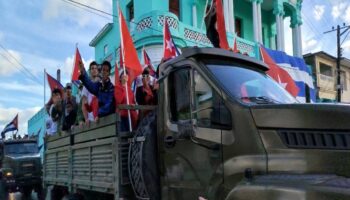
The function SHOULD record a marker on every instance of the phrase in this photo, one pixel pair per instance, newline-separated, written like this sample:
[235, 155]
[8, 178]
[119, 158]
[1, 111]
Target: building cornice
[101, 34]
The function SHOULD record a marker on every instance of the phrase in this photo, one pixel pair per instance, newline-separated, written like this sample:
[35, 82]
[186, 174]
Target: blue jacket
[103, 92]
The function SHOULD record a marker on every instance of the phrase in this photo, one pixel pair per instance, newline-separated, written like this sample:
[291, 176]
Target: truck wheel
[143, 159]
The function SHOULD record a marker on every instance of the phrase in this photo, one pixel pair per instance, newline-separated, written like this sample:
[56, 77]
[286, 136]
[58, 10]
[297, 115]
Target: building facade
[37, 126]
[324, 70]
[251, 22]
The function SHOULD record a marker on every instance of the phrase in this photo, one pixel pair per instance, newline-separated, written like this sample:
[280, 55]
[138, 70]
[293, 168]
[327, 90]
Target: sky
[42, 34]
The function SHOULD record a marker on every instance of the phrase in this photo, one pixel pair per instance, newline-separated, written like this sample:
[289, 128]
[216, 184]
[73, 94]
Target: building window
[130, 11]
[174, 7]
[105, 49]
[238, 26]
[326, 70]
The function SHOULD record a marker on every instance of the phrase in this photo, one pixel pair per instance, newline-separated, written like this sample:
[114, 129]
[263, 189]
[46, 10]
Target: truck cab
[228, 131]
[21, 164]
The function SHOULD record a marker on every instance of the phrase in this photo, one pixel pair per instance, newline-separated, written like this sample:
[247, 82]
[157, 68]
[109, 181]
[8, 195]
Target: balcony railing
[151, 24]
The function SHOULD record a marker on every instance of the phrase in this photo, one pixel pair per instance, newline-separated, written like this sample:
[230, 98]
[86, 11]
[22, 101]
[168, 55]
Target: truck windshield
[21, 148]
[250, 86]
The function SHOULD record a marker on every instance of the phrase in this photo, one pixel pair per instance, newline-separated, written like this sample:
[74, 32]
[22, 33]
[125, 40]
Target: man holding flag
[12, 126]
[131, 69]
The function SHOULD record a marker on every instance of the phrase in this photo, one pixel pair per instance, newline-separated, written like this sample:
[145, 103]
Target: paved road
[18, 196]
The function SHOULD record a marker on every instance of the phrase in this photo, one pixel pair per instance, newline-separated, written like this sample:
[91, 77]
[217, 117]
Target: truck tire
[143, 159]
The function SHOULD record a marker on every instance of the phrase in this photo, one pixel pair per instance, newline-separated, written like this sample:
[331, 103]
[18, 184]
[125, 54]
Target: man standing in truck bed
[103, 90]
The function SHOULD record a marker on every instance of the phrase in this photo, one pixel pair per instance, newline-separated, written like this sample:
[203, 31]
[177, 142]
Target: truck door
[192, 154]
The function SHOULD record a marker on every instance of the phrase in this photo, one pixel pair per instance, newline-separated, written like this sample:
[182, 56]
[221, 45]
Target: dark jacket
[104, 93]
[68, 118]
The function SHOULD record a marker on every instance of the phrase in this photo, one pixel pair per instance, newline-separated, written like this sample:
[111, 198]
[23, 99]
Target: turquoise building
[37, 126]
[251, 22]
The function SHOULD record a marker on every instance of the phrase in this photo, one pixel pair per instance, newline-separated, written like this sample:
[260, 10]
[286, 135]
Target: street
[18, 196]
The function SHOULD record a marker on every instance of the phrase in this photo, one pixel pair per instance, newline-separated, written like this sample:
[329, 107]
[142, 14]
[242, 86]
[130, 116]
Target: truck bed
[88, 158]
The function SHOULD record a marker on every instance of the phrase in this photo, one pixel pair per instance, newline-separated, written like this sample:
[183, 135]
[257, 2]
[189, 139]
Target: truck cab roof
[216, 53]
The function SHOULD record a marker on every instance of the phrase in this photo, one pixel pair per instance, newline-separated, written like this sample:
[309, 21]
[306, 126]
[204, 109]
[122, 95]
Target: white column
[255, 22]
[231, 16]
[194, 15]
[295, 41]
[300, 43]
[259, 23]
[282, 32]
[278, 27]
[226, 14]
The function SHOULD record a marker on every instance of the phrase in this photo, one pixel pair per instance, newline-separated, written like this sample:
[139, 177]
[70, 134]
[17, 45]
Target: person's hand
[87, 122]
[81, 67]
[124, 79]
[97, 119]
[156, 86]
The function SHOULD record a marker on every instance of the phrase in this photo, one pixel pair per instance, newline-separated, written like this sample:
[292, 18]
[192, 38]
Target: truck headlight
[8, 174]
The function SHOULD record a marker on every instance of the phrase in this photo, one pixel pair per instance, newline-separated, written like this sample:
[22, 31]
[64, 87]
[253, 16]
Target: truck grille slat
[309, 139]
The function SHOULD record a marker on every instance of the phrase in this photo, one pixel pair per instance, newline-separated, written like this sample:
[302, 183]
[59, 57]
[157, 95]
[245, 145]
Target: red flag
[128, 50]
[220, 23]
[235, 48]
[54, 84]
[281, 76]
[77, 61]
[169, 47]
[148, 63]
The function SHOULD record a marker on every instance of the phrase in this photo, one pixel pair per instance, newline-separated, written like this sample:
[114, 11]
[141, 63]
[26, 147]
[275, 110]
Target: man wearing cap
[69, 108]
[104, 89]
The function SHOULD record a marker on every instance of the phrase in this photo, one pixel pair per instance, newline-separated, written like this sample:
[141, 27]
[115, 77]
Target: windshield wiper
[261, 100]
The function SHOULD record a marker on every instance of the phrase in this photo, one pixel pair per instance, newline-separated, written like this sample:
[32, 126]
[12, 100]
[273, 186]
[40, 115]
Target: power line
[33, 77]
[106, 13]
[84, 8]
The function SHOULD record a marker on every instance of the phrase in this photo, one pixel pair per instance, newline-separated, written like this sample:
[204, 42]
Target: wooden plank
[105, 121]
[106, 131]
[61, 142]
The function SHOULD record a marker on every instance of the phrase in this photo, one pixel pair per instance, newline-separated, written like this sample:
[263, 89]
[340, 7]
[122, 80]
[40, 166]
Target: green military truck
[20, 166]
[222, 130]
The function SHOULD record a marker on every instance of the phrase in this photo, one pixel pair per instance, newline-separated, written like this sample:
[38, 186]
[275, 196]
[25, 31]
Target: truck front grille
[315, 139]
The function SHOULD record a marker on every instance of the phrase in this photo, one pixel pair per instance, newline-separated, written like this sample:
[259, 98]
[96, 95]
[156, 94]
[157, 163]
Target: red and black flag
[215, 23]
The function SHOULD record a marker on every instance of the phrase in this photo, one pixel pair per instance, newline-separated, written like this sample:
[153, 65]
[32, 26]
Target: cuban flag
[169, 47]
[13, 125]
[298, 71]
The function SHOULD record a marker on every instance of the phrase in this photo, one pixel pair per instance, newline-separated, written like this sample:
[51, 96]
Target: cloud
[67, 68]
[311, 45]
[76, 13]
[346, 16]
[8, 64]
[7, 114]
[318, 11]
[337, 10]
[346, 46]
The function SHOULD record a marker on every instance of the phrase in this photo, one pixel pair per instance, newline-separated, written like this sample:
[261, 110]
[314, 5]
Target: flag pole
[123, 56]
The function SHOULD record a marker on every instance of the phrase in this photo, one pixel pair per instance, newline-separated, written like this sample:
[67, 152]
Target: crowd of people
[98, 97]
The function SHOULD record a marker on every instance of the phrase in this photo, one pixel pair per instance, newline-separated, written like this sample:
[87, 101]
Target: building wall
[36, 123]
[327, 84]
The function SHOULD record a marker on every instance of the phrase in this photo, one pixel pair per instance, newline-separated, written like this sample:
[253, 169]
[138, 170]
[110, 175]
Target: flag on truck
[128, 50]
[148, 63]
[169, 47]
[297, 71]
[54, 84]
[13, 125]
[215, 25]
[76, 72]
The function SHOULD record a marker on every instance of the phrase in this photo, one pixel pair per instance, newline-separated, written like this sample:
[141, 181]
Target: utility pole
[339, 56]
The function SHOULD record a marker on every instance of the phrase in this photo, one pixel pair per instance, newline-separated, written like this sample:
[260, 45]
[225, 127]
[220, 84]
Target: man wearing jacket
[103, 90]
